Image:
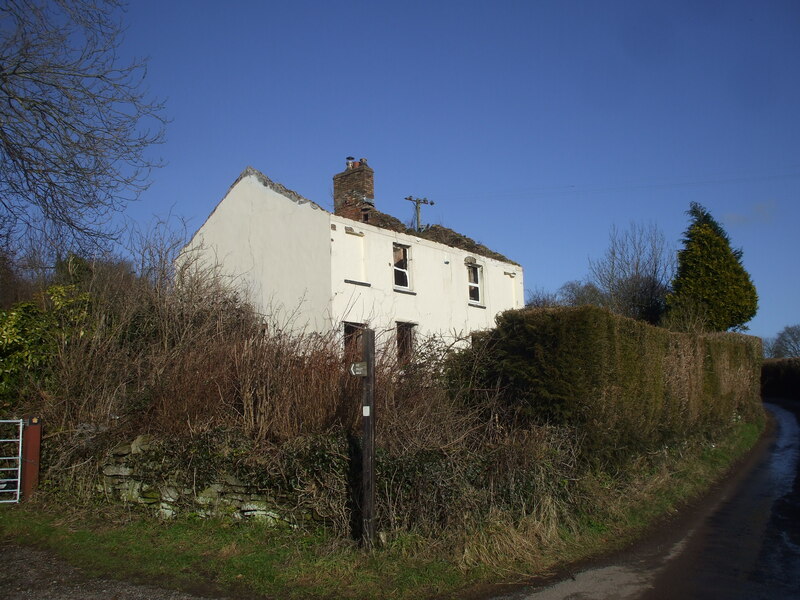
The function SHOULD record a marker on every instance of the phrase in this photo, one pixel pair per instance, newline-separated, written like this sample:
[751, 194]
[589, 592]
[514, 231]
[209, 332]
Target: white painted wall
[439, 302]
[274, 247]
[302, 264]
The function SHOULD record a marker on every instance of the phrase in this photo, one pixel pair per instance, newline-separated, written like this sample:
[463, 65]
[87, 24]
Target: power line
[600, 189]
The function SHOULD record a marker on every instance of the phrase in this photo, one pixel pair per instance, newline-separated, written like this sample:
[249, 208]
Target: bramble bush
[506, 435]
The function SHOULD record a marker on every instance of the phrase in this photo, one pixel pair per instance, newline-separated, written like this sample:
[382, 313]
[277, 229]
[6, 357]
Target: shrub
[31, 337]
[502, 432]
[611, 377]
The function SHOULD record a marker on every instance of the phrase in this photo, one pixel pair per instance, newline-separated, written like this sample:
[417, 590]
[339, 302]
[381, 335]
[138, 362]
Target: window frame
[477, 285]
[403, 271]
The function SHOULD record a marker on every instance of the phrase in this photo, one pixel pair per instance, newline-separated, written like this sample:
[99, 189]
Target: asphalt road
[742, 542]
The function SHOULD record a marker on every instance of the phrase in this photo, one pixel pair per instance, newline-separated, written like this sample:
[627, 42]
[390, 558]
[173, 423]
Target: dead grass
[178, 354]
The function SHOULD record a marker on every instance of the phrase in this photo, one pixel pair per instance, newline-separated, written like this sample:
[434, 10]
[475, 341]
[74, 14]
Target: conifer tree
[710, 279]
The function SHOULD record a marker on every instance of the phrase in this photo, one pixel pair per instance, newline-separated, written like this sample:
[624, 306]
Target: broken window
[353, 347]
[405, 342]
[401, 274]
[474, 276]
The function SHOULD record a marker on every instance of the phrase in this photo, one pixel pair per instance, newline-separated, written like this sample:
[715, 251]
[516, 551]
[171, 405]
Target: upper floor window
[401, 273]
[475, 283]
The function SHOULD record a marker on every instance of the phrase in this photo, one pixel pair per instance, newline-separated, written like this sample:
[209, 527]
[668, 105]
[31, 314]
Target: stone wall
[228, 497]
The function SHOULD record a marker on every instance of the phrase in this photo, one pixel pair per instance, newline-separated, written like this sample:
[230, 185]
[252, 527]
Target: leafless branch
[75, 123]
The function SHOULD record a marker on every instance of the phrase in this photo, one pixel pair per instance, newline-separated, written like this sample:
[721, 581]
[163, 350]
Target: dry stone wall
[229, 497]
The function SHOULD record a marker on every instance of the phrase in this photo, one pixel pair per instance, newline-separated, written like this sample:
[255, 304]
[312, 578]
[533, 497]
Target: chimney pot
[354, 189]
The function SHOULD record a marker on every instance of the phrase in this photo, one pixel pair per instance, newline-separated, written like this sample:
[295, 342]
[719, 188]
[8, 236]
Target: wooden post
[31, 450]
[368, 453]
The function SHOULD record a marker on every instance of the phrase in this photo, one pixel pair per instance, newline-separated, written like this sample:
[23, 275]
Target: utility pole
[417, 202]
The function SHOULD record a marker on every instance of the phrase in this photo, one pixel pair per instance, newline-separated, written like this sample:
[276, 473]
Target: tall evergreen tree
[711, 279]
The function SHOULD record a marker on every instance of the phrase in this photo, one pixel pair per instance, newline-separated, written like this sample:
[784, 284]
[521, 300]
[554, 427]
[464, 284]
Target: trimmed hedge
[612, 377]
[780, 378]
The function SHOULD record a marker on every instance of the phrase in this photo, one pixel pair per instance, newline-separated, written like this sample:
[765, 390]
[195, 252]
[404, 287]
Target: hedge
[613, 378]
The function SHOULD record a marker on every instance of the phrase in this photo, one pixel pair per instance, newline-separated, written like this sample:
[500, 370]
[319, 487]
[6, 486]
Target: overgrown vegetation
[490, 460]
[612, 378]
[312, 562]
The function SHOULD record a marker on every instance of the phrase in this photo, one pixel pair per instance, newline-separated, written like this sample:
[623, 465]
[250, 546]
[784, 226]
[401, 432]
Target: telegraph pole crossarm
[417, 202]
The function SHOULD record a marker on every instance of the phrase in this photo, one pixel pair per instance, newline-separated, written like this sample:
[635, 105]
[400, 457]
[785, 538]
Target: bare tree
[634, 275]
[581, 293]
[786, 344]
[74, 123]
[541, 298]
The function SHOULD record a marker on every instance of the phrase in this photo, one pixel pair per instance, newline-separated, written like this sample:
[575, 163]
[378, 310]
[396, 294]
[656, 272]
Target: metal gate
[10, 459]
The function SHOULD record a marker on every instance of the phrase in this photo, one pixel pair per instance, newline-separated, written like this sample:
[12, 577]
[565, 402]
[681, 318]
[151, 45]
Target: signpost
[358, 369]
[366, 370]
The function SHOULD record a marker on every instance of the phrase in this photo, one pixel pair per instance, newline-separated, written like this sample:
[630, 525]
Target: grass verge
[252, 559]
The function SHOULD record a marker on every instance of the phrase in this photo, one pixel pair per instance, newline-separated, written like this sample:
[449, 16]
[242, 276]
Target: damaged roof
[434, 233]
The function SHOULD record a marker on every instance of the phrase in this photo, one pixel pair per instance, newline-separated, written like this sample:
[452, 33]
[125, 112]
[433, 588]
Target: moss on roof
[385, 221]
[445, 235]
[436, 233]
[433, 233]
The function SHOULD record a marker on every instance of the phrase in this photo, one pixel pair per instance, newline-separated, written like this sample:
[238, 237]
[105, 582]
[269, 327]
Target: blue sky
[533, 126]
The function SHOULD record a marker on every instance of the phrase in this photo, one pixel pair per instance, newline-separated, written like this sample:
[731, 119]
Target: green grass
[227, 556]
[654, 494]
[281, 563]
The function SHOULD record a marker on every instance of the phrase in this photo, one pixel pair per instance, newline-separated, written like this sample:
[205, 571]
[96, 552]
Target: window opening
[474, 283]
[401, 274]
[405, 342]
[353, 348]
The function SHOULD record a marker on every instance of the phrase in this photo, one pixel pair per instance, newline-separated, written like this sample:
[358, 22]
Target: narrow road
[741, 543]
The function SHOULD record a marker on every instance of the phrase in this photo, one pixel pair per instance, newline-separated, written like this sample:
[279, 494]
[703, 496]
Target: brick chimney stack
[354, 191]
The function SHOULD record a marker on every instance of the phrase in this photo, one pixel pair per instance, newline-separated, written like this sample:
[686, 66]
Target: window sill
[476, 305]
[404, 291]
[354, 282]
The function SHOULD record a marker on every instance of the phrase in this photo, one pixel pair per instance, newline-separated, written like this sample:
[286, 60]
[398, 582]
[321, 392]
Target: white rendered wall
[362, 282]
[274, 247]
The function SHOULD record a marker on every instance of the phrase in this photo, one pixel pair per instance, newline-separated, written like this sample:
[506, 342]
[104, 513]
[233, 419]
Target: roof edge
[433, 233]
[274, 186]
[267, 183]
